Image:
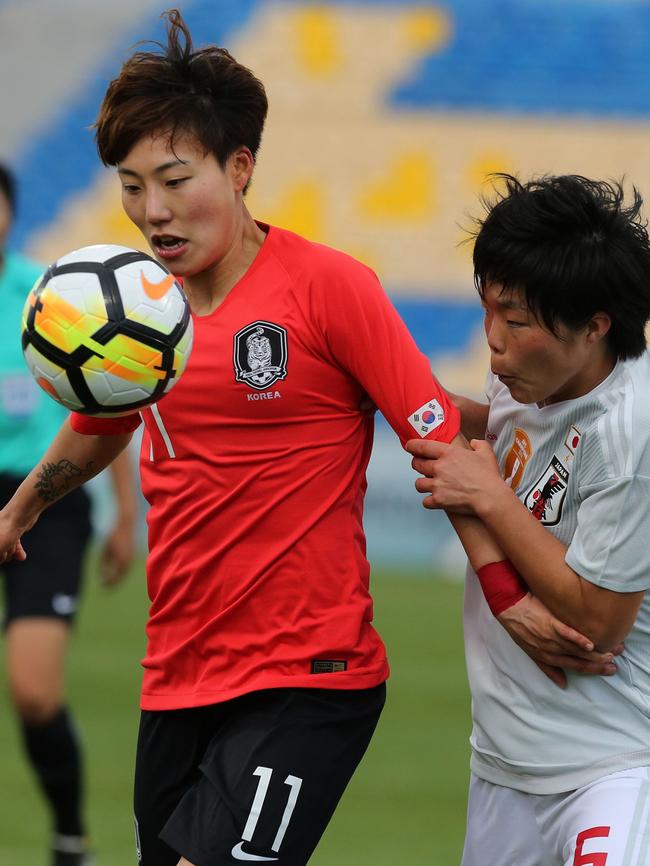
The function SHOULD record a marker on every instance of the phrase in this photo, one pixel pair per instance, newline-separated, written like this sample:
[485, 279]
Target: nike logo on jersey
[156, 291]
[239, 854]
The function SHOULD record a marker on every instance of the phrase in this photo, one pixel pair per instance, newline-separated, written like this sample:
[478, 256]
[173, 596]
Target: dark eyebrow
[158, 170]
[511, 304]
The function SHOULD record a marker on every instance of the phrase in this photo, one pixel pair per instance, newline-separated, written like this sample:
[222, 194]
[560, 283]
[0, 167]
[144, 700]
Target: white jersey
[582, 467]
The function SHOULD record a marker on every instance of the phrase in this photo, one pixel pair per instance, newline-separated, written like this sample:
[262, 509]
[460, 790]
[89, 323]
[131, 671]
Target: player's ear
[598, 327]
[241, 164]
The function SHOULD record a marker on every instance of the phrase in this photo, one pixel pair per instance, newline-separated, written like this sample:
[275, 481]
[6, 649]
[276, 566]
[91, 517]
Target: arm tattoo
[57, 479]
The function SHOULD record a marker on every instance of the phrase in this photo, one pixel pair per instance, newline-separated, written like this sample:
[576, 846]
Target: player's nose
[495, 338]
[156, 209]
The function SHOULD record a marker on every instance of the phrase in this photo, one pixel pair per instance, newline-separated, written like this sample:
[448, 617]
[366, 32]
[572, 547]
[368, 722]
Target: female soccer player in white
[559, 777]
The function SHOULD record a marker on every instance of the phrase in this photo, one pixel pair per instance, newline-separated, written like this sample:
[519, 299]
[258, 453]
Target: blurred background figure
[42, 593]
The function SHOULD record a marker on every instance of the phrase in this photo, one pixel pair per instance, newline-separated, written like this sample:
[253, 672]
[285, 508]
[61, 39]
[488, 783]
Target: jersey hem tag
[328, 666]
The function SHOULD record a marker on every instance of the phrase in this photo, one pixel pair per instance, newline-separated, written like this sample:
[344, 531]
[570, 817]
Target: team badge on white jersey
[427, 418]
[260, 355]
[546, 497]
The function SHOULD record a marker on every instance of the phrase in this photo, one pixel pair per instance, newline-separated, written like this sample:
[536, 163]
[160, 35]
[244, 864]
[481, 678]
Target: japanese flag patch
[427, 418]
[572, 441]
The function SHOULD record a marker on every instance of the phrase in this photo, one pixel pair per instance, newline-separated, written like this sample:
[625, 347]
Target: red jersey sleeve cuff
[91, 426]
[451, 427]
[437, 419]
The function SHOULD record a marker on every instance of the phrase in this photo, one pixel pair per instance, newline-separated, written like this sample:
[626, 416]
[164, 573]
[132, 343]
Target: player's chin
[522, 394]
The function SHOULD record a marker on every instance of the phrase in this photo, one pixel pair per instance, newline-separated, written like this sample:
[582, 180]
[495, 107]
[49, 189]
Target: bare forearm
[540, 558]
[477, 541]
[533, 550]
[470, 482]
[70, 461]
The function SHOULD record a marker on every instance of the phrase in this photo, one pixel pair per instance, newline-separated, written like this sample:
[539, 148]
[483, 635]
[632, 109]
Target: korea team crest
[546, 497]
[260, 354]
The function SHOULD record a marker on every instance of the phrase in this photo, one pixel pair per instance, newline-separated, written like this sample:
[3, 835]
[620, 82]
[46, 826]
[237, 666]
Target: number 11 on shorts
[264, 774]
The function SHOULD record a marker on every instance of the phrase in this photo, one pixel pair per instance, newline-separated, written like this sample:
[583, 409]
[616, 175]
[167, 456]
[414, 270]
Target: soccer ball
[106, 330]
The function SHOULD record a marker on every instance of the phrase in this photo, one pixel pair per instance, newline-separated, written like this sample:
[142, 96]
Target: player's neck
[585, 379]
[207, 290]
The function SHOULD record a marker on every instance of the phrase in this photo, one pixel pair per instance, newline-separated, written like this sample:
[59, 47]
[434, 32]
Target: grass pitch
[406, 802]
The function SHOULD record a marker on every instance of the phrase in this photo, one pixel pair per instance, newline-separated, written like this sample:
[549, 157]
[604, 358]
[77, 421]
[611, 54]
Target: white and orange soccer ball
[106, 330]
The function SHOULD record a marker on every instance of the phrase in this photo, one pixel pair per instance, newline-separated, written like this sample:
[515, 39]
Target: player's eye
[174, 182]
[514, 324]
[130, 188]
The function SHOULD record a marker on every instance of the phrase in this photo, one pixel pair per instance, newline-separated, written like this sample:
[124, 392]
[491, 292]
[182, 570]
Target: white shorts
[605, 823]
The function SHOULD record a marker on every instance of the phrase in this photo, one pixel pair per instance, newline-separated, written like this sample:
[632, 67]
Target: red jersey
[254, 469]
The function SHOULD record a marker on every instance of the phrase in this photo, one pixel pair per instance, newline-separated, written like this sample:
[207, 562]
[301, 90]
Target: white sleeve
[611, 545]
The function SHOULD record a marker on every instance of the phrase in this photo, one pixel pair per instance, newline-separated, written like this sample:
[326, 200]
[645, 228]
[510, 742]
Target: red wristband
[501, 584]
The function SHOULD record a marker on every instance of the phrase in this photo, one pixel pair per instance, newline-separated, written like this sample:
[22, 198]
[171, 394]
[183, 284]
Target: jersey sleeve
[610, 546]
[368, 338]
[91, 426]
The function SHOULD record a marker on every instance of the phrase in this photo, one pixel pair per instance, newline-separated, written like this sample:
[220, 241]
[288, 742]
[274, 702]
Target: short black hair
[573, 248]
[178, 89]
[8, 186]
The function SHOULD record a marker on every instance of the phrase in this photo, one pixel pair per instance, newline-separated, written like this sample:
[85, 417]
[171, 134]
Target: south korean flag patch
[427, 418]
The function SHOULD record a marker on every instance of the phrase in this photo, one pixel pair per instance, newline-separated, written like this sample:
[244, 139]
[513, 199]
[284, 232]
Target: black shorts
[48, 582]
[256, 778]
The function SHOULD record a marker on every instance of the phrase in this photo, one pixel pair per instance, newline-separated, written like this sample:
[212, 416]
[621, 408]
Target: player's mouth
[505, 378]
[168, 246]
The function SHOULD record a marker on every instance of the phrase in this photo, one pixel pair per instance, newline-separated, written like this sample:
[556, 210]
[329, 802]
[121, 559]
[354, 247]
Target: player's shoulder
[623, 425]
[625, 390]
[306, 258]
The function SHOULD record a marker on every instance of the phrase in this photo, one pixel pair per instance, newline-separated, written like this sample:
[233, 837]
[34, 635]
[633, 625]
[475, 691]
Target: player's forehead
[161, 149]
[504, 297]
[508, 299]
